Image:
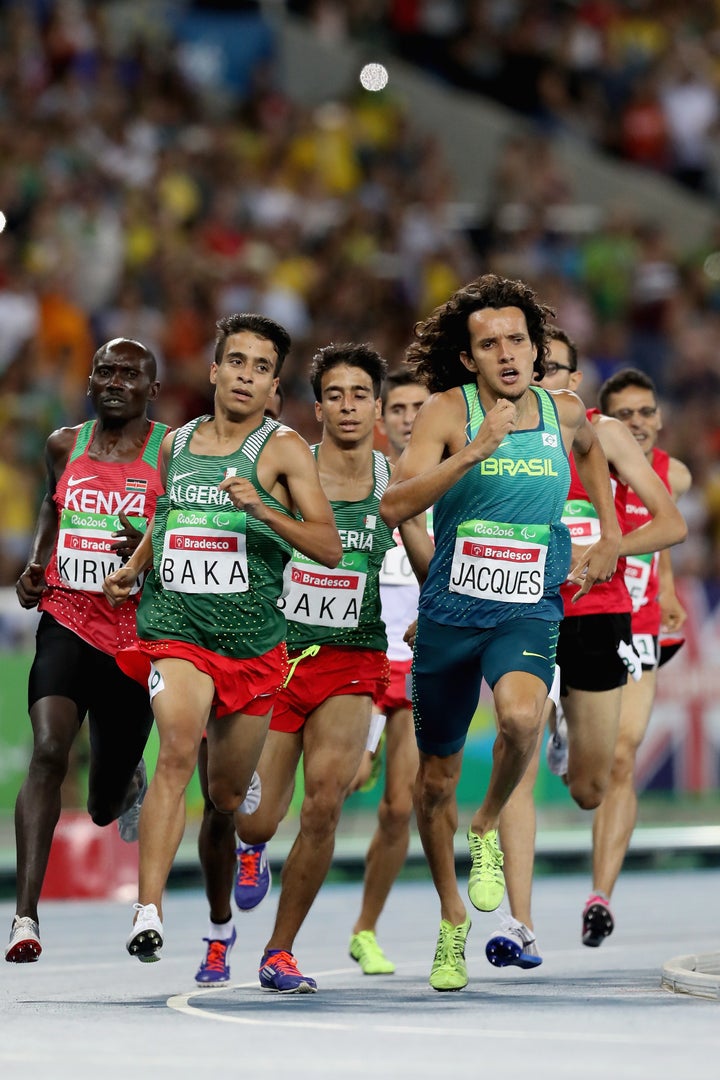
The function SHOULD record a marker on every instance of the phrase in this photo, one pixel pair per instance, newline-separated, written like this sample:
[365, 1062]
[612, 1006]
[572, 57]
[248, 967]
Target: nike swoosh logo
[526, 653]
[181, 476]
[72, 482]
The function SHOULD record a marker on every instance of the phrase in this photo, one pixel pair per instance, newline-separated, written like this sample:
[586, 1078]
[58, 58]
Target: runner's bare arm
[672, 613]
[680, 478]
[599, 561]
[667, 526]
[315, 533]
[118, 585]
[418, 545]
[31, 584]
[424, 472]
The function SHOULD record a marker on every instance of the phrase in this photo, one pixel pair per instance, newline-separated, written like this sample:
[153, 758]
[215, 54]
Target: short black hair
[256, 324]
[399, 377]
[554, 333]
[361, 356]
[620, 381]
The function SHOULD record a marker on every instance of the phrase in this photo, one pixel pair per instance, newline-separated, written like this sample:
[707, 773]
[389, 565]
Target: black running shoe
[597, 922]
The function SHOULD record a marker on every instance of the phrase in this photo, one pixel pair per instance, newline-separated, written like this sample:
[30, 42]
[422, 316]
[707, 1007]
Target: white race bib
[320, 596]
[205, 552]
[84, 553]
[582, 522]
[645, 645]
[498, 561]
[637, 576]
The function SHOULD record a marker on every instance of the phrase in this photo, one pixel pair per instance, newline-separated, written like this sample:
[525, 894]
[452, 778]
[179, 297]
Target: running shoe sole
[598, 924]
[504, 951]
[145, 945]
[24, 952]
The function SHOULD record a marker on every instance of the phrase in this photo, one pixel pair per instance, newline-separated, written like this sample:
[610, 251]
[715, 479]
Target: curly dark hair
[444, 334]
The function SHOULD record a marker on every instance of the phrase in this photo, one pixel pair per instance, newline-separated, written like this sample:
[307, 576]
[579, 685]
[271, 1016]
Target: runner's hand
[597, 563]
[31, 585]
[128, 538]
[243, 495]
[117, 586]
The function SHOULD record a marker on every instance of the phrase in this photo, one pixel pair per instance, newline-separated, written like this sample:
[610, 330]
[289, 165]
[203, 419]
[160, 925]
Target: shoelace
[284, 962]
[489, 856]
[215, 959]
[367, 944]
[249, 868]
[450, 947]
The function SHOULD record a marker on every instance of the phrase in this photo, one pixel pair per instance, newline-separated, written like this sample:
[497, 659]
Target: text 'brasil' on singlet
[580, 516]
[217, 571]
[89, 496]
[341, 606]
[501, 550]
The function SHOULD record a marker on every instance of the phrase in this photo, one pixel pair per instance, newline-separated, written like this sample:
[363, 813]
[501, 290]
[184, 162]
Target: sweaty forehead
[487, 322]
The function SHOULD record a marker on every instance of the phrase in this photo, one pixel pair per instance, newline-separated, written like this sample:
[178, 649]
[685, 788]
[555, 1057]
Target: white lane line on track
[182, 1003]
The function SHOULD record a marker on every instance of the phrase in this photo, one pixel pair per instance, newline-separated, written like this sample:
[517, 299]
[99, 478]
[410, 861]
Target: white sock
[221, 931]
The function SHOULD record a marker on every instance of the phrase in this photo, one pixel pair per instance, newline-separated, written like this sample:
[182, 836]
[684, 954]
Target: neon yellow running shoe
[486, 886]
[365, 949]
[449, 970]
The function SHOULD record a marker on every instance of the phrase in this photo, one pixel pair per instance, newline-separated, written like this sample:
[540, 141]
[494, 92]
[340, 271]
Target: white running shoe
[24, 946]
[146, 938]
[556, 751]
[129, 822]
[513, 946]
[252, 796]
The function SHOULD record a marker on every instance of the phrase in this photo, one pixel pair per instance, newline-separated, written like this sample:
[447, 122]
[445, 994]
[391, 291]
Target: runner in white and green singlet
[336, 645]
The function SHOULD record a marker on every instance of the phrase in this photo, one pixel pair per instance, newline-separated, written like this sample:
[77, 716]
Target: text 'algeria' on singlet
[217, 571]
[341, 606]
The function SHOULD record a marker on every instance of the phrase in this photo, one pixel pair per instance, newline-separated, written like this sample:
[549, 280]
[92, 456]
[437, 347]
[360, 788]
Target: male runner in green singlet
[336, 645]
[242, 493]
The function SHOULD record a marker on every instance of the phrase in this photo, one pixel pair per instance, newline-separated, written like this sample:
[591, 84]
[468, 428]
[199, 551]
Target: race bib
[319, 596]
[645, 645]
[84, 552]
[205, 552]
[637, 576]
[501, 562]
[582, 522]
[396, 568]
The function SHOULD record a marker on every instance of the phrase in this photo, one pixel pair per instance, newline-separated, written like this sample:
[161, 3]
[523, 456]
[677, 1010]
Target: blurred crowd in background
[140, 200]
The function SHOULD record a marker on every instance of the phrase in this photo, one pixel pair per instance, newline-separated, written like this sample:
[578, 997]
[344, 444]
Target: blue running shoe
[215, 968]
[279, 972]
[254, 878]
[513, 946]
